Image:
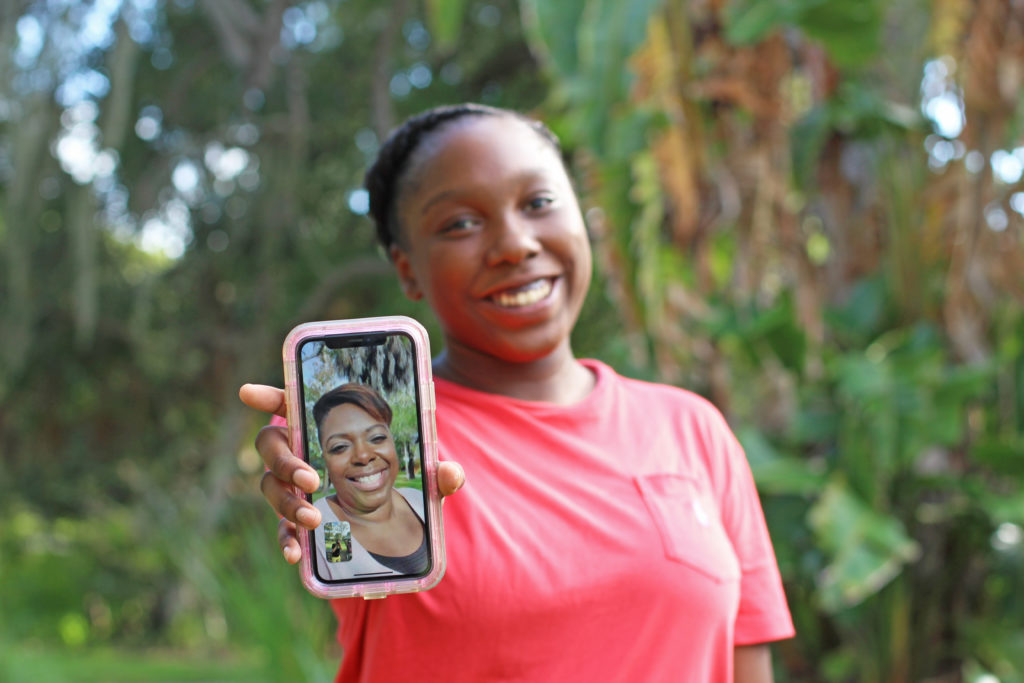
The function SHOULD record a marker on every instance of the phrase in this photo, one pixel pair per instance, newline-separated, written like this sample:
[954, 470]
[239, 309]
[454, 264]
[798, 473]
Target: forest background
[809, 211]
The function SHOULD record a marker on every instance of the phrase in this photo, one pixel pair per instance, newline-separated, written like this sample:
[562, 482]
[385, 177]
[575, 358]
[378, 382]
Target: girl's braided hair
[383, 177]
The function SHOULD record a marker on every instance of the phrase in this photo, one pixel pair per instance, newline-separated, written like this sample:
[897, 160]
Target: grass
[102, 665]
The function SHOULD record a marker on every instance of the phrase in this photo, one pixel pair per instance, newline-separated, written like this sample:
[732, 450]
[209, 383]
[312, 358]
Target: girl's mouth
[528, 294]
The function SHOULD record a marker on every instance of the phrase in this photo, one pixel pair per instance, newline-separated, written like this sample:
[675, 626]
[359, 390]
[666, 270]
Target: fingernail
[306, 480]
[307, 517]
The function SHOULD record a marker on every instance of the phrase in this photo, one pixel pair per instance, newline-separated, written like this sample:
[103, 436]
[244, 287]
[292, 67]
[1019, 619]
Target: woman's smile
[370, 482]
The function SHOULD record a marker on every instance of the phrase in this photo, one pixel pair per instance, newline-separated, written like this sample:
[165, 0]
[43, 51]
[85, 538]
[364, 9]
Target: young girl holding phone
[610, 529]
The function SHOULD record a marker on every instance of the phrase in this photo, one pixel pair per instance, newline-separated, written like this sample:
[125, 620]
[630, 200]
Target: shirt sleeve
[763, 614]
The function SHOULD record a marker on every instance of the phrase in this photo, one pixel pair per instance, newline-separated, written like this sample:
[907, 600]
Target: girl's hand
[285, 470]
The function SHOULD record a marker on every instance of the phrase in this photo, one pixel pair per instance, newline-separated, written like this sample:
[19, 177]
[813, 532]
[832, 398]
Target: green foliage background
[781, 220]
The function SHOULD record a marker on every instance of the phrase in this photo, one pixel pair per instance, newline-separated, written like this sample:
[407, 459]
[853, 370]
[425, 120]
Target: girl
[611, 530]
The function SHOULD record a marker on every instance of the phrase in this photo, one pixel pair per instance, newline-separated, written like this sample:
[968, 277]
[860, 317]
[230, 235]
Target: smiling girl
[611, 530]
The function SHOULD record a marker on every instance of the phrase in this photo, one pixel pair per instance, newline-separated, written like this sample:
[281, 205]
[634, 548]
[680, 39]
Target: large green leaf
[807, 139]
[775, 473]
[867, 549]
[772, 330]
[1001, 508]
[445, 19]
[849, 30]
[751, 20]
[1004, 456]
[552, 28]
[587, 44]
[610, 33]
[863, 379]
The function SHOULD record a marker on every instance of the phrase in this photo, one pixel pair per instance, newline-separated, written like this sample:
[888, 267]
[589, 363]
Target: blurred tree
[181, 185]
[812, 212]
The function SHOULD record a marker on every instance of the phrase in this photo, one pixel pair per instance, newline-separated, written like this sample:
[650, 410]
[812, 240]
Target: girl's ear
[406, 277]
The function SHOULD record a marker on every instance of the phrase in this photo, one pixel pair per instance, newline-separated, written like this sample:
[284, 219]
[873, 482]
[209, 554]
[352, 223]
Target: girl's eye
[378, 438]
[459, 225]
[338, 448]
[539, 203]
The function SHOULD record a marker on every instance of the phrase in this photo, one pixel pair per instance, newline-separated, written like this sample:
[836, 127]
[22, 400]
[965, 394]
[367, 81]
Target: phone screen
[362, 432]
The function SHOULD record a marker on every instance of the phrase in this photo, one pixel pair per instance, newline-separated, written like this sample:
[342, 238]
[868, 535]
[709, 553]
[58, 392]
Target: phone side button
[375, 596]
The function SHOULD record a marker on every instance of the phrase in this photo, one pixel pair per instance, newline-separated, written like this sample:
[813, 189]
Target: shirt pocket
[688, 522]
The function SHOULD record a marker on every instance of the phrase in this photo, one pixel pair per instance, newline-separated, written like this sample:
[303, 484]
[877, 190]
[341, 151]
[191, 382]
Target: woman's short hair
[383, 178]
[360, 395]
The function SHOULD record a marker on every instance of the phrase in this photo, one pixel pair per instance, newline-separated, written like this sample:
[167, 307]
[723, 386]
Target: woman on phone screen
[610, 529]
[353, 424]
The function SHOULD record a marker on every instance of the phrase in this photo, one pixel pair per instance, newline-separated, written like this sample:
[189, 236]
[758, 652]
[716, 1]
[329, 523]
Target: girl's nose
[514, 240]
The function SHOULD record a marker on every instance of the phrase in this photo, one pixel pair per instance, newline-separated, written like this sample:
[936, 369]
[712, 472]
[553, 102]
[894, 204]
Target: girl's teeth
[531, 294]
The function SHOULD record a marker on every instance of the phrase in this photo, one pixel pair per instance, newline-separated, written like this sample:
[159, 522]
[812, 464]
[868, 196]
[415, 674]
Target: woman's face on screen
[362, 463]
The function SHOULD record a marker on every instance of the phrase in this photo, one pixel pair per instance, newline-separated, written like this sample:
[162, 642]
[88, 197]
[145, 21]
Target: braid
[382, 178]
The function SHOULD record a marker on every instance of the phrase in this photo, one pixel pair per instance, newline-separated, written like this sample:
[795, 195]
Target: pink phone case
[376, 587]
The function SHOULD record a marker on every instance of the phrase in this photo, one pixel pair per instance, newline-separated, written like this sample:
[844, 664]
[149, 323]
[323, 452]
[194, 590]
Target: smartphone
[360, 401]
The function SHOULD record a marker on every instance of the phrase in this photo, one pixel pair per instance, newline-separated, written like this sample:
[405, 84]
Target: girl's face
[492, 237]
[360, 456]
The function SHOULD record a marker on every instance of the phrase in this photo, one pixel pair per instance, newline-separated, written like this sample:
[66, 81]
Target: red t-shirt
[618, 539]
